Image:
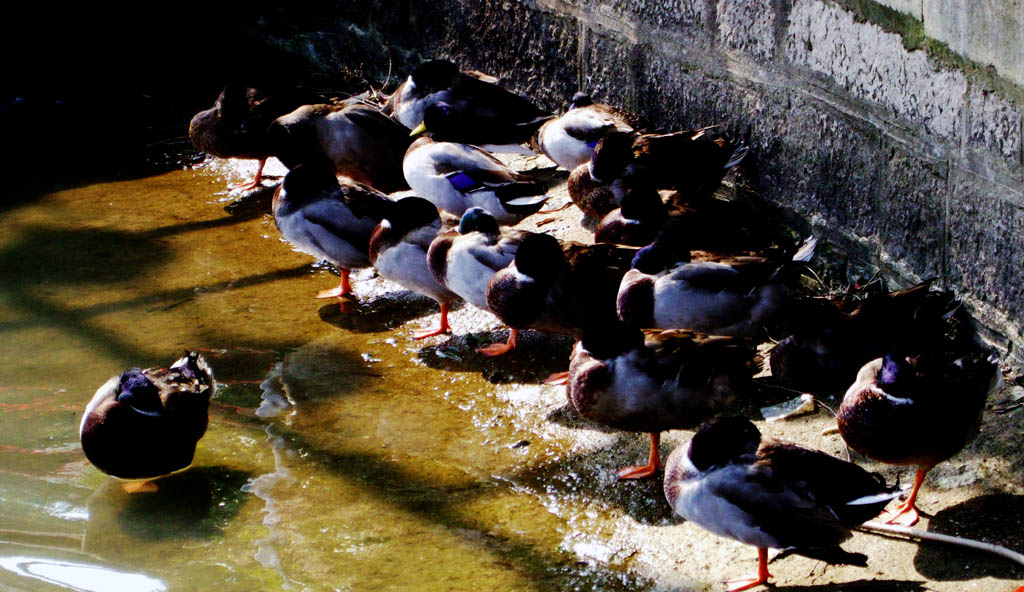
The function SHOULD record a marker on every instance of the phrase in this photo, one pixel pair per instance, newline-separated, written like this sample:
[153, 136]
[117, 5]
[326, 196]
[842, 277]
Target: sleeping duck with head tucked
[655, 381]
[918, 409]
[727, 296]
[456, 177]
[145, 424]
[329, 219]
[463, 107]
[771, 494]
[465, 259]
[570, 138]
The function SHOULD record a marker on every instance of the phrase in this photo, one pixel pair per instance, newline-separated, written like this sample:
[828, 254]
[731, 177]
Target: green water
[341, 454]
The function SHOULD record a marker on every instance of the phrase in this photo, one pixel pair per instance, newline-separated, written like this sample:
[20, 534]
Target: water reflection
[194, 504]
[80, 576]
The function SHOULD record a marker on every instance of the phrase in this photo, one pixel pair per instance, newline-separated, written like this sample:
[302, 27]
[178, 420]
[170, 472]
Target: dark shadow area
[194, 504]
[536, 356]
[994, 518]
[376, 314]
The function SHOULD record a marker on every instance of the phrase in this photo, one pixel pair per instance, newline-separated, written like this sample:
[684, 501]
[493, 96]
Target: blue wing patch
[462, 182]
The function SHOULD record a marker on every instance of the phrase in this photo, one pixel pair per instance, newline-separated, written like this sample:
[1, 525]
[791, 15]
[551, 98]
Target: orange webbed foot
[495, 349]
[905, 514]
[557, 378]
[139, 487]
[424, 333]
[641, 472]
[745, 583]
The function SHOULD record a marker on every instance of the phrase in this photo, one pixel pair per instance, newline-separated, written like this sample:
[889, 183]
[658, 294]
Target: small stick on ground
[879, 527]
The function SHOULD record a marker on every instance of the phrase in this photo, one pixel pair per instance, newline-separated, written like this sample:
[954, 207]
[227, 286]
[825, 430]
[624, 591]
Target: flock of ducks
[663, 305]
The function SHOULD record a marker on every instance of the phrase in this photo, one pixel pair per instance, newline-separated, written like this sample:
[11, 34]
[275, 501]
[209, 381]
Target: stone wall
[904, 153]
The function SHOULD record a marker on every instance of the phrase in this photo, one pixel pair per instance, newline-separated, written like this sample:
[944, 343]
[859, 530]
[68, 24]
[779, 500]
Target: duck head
[138, 392]
[722, 441]
[540, 256]
[580, 99]
[440, 119]
[612, 154]
[434, 75]
[477, 219]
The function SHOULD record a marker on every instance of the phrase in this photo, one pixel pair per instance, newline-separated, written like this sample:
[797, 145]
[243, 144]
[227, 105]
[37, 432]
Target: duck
[570, 138]
[559, 287]
[725, 296]
[237, 124]
[692, 162]
[770, 494]
[917, 409]
[329, 218]
[594, 198]
[398, 251]
[145, 423]
[465, 259]
[708, 224]
[653, 381]
[456, 177]
[464, 107]
[833, 338]
[362, 142]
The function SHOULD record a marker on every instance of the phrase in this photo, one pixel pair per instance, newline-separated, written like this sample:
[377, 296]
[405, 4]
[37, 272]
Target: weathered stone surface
[687, 16]
[995, 126]
[911, 215]
[747, 25]
[873, 65]
[914, 8]
[986, 230]
[986, 31]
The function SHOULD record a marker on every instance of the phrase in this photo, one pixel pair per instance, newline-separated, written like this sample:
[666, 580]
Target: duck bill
[422, 127]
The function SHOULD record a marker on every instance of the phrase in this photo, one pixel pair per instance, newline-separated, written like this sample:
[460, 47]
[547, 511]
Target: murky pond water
[341, 454]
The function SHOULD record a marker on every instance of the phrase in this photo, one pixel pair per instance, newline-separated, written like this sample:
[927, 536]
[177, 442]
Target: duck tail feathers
[737, 156]
[806, 251]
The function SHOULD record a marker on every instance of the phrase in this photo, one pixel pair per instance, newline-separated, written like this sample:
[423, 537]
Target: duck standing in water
[145, 424]
[465, 260]
[398, 251]
[455, 177]
[362, 142]
[917, 410]
[651, 382]
[771, 494]
[329, 220]
[236, 126]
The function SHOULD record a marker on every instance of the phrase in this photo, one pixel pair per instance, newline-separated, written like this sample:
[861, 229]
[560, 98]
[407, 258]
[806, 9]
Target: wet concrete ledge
[903, 153]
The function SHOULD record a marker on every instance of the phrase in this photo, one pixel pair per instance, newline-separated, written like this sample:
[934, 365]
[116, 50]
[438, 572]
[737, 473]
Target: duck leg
[145, 486]
[909, 507]
[256, 181]
[344, 288]
[761, 577]
[441, 329]
[557, 378]
[497, 349]
[653, 462]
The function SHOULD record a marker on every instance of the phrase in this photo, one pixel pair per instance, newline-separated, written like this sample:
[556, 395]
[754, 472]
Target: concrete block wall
[885, 140]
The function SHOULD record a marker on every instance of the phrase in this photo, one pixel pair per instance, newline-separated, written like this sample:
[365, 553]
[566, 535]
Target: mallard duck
[706, 224]
[456, 177]
[664, 380]
[236, 126]
[398, 251]
[771, 494]
[729, 296]
[464, 107]
[464, 260]
[916, 410]
[691, 162]
[329, 220]
[570, 138]
[145, 424]
[833, 338]
[595, 199]
[559, 288]
[363, 143]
